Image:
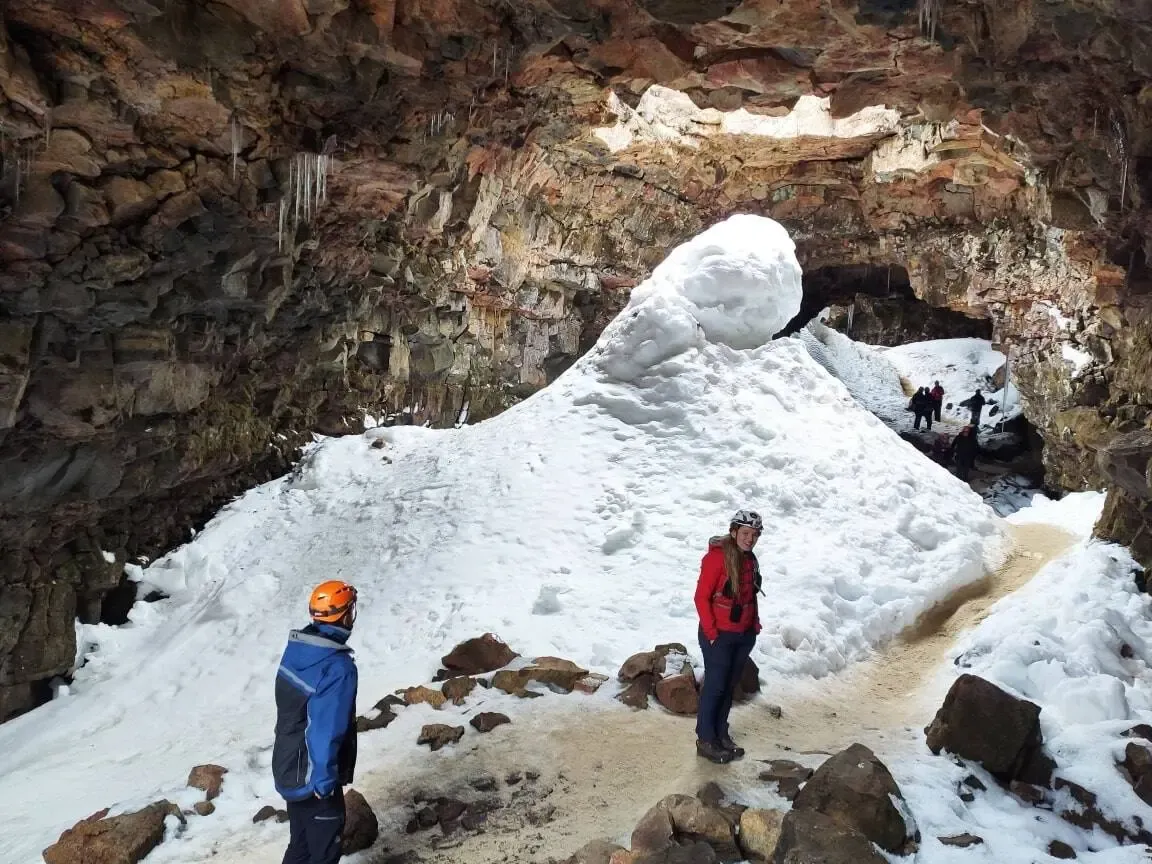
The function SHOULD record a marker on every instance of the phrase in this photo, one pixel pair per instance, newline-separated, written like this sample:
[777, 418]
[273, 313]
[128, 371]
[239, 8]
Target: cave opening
[875, 304]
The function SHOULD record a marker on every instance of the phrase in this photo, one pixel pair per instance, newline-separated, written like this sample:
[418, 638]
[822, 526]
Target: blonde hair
[733, 563]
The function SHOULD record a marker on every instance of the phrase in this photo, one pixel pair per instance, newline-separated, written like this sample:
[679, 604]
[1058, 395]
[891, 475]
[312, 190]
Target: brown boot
[713, 752]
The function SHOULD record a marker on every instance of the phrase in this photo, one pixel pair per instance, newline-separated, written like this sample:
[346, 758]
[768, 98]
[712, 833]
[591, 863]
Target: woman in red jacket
[729, 622]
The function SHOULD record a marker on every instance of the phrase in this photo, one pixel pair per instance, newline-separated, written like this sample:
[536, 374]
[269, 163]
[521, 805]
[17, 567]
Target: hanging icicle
[307, 192]
[235, 146]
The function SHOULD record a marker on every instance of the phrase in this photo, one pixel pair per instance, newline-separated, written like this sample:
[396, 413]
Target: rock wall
[226, 225]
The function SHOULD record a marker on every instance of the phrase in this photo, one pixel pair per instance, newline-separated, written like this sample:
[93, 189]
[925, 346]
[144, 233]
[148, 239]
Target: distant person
[976, 405]
[729, 621]
[964, 449]
[937, 394]
[921, 408]
[315, 751]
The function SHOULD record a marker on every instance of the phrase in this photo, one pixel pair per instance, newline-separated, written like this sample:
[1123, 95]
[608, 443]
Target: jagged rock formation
[226, 224]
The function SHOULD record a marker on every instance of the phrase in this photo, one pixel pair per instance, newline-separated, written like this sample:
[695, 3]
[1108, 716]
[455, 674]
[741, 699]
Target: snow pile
[872, 380]
[572, 525]
[1057, 642]
[1076, 513]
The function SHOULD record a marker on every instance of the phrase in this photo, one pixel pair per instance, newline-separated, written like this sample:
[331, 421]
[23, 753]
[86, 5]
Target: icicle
[235, 146]
[280, 228]
[296, 193]
[494, 49]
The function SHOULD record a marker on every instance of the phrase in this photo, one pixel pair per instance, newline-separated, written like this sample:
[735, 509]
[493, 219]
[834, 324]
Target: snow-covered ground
[572, 525]
[1057, 642]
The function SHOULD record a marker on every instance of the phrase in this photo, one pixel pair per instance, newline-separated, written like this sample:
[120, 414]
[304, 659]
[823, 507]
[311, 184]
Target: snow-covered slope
[572, 524]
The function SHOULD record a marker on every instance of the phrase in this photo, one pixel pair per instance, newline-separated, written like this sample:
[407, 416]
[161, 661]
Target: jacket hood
[314, 644]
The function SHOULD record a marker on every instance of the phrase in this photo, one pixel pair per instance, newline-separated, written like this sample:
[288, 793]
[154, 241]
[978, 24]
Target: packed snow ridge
[572, 525]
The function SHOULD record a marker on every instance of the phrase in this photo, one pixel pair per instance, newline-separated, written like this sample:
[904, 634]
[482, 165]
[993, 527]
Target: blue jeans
[724, 662]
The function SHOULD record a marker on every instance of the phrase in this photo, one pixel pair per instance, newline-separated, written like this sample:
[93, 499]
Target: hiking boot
[713, 752]
[728, 744]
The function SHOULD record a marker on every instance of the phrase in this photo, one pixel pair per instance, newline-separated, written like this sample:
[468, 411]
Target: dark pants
[926, 415]
[315, 825]
[976, 412]
[936, 411]
[723, 664]
[962, 469]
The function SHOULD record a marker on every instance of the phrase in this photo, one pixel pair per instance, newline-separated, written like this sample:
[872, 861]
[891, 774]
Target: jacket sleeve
[711, 573]
[329, 712]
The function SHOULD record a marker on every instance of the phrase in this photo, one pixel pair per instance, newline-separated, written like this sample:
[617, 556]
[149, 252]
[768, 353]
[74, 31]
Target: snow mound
[572, 525]
[1077, 513]
[736, 284]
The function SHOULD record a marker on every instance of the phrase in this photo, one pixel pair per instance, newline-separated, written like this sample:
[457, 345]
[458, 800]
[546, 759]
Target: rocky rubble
[666, 674]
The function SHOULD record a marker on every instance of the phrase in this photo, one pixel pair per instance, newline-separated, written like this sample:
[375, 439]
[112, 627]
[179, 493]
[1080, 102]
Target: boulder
[787, 775]
[425, 695]
[437, 735]
[749, 683]
[681, 820]
[644, 663]
[594, 852]
[678, 693]
[1061, 850]
[267, 812]
[123, 839]
[981, 722]
[486, 721]
[808, 837]
[361, 828]
[636, 694]
[210, 778]
[485, 653]
[759, 833]
[203, 808]
[856, 789]
[1137, 769]
[457, 689]
[552, 671]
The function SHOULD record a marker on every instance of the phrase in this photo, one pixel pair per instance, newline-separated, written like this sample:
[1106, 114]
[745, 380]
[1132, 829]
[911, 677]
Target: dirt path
[601, 770]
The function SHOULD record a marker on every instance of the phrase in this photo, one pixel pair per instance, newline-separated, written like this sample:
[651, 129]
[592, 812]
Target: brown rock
[808, 837]
[681, 820]
[438, 735]
[788, 777]
[382, 720]
[1059, 849]
[856, 789]
[268, 812]
[645, 663]
[981, 722]
[488, 720]
[361, 827]
[961, 841]
[166, 183]
[122, 839]
[1141, 730]
[128, 199]
[759, 833]
[594, 852]
[552, 671]
[749, 683]
[457, 689]
[424, 695]
[485, 653]
[636, 694]
[69, 151]
[210, 778]
[1137, 767]
[1027, 793]
[204, 808]
[678, 693]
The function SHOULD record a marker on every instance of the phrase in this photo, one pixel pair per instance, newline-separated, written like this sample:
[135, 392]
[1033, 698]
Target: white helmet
[750, 518]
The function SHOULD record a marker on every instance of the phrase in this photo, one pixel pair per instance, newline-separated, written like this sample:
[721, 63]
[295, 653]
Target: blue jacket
[315, 749]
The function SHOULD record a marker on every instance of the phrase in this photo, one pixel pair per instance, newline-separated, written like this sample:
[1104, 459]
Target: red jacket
[937, 393]
[714, 607]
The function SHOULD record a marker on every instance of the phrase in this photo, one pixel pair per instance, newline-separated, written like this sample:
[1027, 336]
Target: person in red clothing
[937, 394]
[729, 621]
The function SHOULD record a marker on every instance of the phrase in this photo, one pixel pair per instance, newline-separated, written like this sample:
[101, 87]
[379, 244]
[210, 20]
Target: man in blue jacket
[315, 751]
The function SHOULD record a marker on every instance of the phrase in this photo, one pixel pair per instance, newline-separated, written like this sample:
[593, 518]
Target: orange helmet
[331, 601]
